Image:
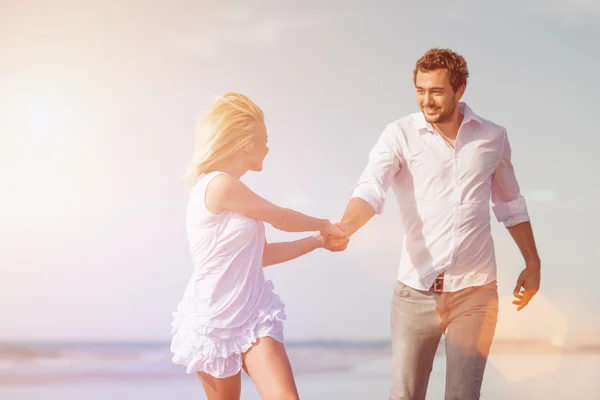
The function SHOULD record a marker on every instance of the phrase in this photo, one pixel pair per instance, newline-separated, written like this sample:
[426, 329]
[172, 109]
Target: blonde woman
[229, 317]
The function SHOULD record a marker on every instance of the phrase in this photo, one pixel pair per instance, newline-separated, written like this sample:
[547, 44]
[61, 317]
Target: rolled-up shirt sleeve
[384, 162]
[509, 205]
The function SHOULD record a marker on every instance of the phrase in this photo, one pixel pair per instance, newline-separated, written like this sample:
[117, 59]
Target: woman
[229, 317]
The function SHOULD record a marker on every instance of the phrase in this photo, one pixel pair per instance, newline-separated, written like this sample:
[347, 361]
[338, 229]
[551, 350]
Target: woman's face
[259, 149]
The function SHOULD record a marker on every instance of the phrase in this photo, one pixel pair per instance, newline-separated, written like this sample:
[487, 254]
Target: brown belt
[438, 284]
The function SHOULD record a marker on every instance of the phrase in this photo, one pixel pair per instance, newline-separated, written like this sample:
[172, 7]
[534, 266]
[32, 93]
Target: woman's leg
[268, 365]
[221, 388]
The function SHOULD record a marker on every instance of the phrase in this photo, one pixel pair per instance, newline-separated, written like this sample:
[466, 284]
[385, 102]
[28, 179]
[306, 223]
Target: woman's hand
[335, 230]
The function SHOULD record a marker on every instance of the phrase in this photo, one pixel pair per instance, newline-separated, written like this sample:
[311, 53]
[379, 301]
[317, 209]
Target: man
[444, 165]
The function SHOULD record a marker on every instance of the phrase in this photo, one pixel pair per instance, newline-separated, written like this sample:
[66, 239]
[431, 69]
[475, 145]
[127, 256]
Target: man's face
[435, 96]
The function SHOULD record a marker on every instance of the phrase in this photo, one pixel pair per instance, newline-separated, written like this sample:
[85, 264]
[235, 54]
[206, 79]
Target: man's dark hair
[446, 59]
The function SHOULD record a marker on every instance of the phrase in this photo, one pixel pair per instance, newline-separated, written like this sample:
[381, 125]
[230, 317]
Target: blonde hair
[228, 127]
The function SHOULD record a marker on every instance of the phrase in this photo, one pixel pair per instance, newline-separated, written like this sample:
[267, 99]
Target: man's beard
[441, 118]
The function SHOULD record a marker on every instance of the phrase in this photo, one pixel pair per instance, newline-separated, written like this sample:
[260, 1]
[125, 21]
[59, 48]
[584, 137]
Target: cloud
[565, 11]
[239, 26]
[568, 10]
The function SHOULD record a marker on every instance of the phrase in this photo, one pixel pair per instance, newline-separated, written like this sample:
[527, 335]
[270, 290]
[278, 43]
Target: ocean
[516, 370]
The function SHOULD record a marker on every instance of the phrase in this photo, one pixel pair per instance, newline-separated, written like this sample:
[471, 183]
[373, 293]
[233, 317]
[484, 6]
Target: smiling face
[435, 96]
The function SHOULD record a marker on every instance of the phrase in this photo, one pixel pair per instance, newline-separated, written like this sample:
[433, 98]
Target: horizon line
[291, 342]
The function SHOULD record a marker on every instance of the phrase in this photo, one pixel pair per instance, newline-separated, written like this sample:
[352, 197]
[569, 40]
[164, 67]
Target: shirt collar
[422, 125]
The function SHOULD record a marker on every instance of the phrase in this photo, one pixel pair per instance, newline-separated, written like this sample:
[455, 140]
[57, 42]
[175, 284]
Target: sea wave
[33, 363]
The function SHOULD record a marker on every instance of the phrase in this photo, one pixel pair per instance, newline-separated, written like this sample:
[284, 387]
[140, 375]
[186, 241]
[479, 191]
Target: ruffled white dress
[227, 304]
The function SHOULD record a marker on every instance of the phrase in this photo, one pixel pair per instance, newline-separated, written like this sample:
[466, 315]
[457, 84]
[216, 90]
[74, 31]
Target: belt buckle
[438, 284]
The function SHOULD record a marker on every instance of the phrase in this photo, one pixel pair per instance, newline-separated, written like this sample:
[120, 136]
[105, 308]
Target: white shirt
[444, 197]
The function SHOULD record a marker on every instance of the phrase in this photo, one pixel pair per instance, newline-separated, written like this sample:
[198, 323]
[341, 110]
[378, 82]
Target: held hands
[335, 230]
[335, 237]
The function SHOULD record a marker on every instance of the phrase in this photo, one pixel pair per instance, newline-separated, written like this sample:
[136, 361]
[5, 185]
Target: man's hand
[527, 286]
[528, 283]
[336, 243]
[334, 230]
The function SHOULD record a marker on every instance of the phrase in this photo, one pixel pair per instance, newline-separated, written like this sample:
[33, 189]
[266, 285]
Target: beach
[323, 371]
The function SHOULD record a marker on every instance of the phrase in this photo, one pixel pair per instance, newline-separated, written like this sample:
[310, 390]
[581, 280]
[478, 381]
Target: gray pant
[419, 318]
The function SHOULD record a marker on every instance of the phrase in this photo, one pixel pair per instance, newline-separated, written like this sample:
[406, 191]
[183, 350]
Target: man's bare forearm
[522, 234]
[358, 212]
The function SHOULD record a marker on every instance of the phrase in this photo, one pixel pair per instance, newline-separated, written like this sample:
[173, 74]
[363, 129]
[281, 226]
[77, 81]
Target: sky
[99, 99]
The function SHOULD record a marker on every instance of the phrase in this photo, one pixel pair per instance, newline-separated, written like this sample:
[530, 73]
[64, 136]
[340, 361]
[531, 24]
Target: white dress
[227, 304]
